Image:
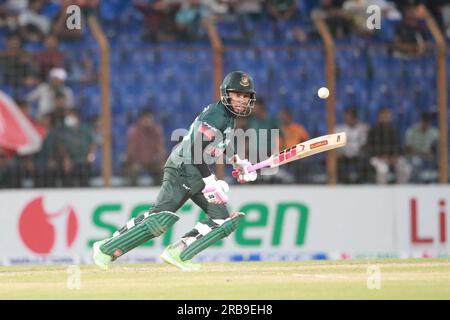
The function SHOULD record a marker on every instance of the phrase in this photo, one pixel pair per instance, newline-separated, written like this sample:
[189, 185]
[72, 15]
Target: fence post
[104, 77]
[330, 78]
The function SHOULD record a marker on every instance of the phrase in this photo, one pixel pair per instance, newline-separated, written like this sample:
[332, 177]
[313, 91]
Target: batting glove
[240, 171]
[215, 190]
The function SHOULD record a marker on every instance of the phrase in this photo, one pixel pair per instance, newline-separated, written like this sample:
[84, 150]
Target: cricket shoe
[171, 255]
[101, 259]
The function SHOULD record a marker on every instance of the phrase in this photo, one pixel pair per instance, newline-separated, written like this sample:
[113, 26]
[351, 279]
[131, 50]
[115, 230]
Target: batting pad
[222, 231]
[152, 226]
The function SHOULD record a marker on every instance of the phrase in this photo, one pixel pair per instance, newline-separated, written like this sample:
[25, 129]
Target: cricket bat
[301, 150]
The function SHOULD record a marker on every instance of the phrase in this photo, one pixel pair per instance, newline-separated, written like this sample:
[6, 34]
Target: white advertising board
[282, 223]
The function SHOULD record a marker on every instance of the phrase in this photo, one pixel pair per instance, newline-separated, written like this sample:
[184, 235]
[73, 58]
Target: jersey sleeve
[207, 136]
[214, 118]
[203, 134]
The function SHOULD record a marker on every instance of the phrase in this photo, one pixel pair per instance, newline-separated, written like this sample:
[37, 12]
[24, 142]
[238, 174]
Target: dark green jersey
[208, 137]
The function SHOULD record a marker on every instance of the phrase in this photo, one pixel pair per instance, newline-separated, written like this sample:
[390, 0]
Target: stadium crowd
[34, 70]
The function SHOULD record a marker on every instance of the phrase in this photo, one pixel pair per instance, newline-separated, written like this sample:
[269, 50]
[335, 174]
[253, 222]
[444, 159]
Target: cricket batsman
[187, 176]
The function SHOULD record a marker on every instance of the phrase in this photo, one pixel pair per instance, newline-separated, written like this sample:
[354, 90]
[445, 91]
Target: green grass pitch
[399, 279]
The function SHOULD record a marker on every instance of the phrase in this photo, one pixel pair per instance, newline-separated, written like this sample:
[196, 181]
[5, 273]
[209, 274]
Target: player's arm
[240, 169]
[239, 166]
[204, 136]
[214, 190]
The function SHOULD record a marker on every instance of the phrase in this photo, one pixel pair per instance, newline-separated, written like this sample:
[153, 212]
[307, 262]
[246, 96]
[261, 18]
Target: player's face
[239, 101]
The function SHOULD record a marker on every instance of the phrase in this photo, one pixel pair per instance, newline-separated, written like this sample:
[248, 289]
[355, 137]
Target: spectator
[281, 9]
[67, 152]
[9, 15]
[14, 63]
[33, 25]
[351, 158]
[146, 150]
[49, 58]
[61, 103]
[190, 20]
[46, 161]
[97, 136]
[219, 7]
[263, 123]
[231, 17]
[4, 16]
[159, 19]
[410, 40]
[81, 146]
[45, 122]
[338, 20]
[288, 24]
[46, 93]
[16, 6]
[249, 8]
[293, 134]
[384, 150]
[421, 147]
[88, 7]
[82, 71]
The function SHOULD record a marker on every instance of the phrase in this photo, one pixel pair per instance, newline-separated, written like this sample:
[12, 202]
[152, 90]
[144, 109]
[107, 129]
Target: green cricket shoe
[101, 259]
[171, 255]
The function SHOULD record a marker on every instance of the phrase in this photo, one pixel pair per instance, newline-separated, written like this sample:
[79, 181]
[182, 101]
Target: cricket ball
[323, 93]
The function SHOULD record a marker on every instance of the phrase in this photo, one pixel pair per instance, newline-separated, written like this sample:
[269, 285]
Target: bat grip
[259, 165]
[252, 168]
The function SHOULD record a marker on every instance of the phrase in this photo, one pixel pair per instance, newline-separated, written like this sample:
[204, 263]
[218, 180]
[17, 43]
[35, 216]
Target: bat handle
[259, 165]
[252, 168]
